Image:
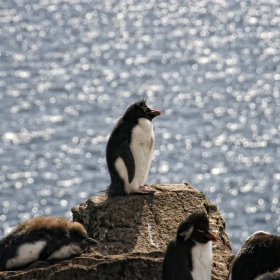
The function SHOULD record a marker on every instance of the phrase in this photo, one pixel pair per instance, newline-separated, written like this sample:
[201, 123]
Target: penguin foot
[142, 190]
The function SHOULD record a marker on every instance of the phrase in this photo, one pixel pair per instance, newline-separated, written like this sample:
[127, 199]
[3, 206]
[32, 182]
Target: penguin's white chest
[26, 253]
[65, 252]
[141, 145]
[202, 261]
[230, 275]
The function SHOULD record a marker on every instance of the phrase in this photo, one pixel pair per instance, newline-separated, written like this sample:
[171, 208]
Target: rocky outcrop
[133, 232]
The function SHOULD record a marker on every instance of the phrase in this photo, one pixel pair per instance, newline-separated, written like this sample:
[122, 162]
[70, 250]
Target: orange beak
[211, 236]
[155, 112]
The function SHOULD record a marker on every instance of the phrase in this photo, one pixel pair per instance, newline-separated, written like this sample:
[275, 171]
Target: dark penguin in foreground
[189, 255]
[259, 255]
[129, 150]
[275, 275]
[42, 238]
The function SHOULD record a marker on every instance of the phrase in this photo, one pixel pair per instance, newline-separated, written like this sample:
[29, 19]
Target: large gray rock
[133, 232]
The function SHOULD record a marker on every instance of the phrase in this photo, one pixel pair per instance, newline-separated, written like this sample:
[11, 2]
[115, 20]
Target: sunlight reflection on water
[68, 70]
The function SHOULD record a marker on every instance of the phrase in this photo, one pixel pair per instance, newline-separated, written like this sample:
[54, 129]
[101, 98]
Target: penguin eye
[145, 109]
[199, 230]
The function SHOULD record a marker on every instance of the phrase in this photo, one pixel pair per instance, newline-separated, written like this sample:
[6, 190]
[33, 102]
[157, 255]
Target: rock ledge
[133, 232]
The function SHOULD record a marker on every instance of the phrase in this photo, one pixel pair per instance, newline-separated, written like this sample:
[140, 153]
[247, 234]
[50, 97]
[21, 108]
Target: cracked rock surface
[133, 232]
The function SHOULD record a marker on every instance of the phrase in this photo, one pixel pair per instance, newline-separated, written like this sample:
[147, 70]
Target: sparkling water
[69, 69]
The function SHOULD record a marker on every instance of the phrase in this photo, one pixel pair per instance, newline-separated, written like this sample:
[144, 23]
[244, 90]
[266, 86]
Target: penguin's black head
[140, 110]
[196, 228]
[79, 236]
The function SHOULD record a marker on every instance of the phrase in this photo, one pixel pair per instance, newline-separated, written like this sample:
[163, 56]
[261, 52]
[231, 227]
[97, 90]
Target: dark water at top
[69, 69]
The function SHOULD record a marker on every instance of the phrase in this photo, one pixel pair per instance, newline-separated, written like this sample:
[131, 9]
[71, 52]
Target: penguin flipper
[183, 273]
[45, 253]
[128, 159]
[175, 263]
[55, 240]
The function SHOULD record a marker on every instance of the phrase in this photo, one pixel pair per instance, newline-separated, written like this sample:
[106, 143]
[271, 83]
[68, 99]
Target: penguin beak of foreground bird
[211, 236]
[155, 112]
[91, 241]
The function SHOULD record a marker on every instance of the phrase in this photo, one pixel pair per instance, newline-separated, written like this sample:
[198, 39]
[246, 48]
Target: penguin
[189, 255]
[259, 255]
[42, 238]
[275, 275]
[129, 150]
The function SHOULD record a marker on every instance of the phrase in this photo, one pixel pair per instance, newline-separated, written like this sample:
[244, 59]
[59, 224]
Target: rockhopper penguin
[42, 238]
[259, 255]
[129, 150]
[189, 255]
